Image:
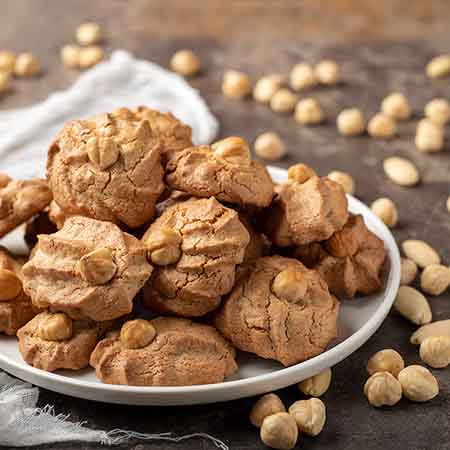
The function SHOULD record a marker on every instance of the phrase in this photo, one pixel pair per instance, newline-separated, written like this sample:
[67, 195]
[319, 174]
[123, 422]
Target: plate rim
[278, 378]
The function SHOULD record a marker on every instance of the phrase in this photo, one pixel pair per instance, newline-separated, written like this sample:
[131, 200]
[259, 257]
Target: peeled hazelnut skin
[10, 285]
[290, 285]
[435, 351]
[233, 150]
[266, 406]
[382, 388]
[97, 267]
[137, 334]
[163, 246]
[418, 383]
[56, 327]
[310, 415]
[301, 173]
[279, 431]
[317, 385]
[387, 360]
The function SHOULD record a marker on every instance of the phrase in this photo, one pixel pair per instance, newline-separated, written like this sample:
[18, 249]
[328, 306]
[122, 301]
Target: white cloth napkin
[25, 134]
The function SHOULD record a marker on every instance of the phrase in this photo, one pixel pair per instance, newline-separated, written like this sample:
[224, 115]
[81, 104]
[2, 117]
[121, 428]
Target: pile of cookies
[153, 260]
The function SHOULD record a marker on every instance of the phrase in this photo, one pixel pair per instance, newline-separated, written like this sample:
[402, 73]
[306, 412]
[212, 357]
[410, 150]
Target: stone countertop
[382, 47]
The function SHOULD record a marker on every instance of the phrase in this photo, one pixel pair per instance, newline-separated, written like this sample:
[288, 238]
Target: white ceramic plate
[359, 319]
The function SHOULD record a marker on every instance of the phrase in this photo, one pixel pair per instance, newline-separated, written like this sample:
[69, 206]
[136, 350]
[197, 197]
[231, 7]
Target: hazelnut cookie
[20, 200]
[195, 246]
[52, 341]
[350, 261]
[88, 269]
[306, 209]
[166, 351]
[224, 170]
[281, 311]
[15, 306]
[108, 168]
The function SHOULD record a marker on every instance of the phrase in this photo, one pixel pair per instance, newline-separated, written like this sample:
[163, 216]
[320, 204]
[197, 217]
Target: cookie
[350, 261]
[194, 246]
[305, 211]
[166, 351]
[52, 341]
[224, 170]
[174, 135]
[281, 311]
[20, 200]
[15, 306]
[88, 269]
[56, 214]
[107, 168]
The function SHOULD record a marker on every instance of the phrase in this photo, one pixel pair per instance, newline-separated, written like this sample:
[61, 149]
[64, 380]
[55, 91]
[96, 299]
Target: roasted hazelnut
[396, 106]
[418, 383]
[89, 33]
[5, 82]
[233, 150]
[97, 267]
[435, 351]
[56, 327]
[283, 101]
[317, 385]
[70, 56]
[302, 77]
[308, 112]
[382, 388]
[435, 279]
[7, 61]
[163, 246]
[90, 56]
[301, 173]
[236, 84]
[103, 152]
[408, 271]
[438, 111]
[10, 285]
[279, 431]
[310, 415]
[429, 136]
[266, 406]
[343, 179]
[266, 87]
[269, 146]
[382, 126]
[290, 285]
[387, 360]
[351, 122]
[328, 72]
[386, 210]
[137, 333]
[27, 65]
[438, 67]
[185, 62]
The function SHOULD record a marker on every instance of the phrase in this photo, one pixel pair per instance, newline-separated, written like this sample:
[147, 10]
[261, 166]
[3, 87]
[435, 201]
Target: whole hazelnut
[185, 62]
[70, 56]
[56, 327]
[269, 146]
[438, 67]
[343, 179]
[5, 82]
[317, 385]
[236, 84]
[27, 65]
[137, 333]
[7, 61]
[351, 122]
[382, 126]
[89, 33]
[435, 351]
[435, 279]
[97, 267]
[408, 271]
[328, 72]
[429, 136]
[382, 388]
[396, 106]
[283, 101]
[234, 150]
[266, 87]
[90, 56]
[301, 173]
[290, 285]
[302, 77]
[308, 112]
[266, 406]
[418, 383]
[10, 285]
[279, 431]
[387, 360]
[163, 246]
[438, 111]
[386, 210]
[310, 415]
[103, 152]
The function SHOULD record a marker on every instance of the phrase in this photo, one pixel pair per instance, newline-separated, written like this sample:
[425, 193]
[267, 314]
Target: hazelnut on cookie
[88, 269]
[20, 200]
[15, 306]
[281, 310]
[194, 246]
[306, 209]
[108, 168]
[350, 261]
[52, 341]
[166, 351]
[224, 170]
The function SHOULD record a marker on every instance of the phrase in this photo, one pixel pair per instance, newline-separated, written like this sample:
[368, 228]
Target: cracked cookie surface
[304, 212]
[202, 172]
[20, 200]
[180, 353]
[16, 308]
[350, 261]
[281, 311]
[88, 269]
[108, 168]
[50, 355]
[203, 241]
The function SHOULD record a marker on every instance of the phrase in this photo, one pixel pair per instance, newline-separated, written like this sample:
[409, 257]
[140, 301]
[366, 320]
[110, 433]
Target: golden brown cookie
[88, 269]
[350, 261]
[56, 214]
[305, 211]
[224, 170]
[53, 341]
[20, 200]
[15, 306]
[195, 246]
[280, 311]
[166, 351]
[108, 168]
[174, 134]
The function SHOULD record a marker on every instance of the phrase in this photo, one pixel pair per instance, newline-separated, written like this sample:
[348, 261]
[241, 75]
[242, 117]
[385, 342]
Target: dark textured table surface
[383, 46]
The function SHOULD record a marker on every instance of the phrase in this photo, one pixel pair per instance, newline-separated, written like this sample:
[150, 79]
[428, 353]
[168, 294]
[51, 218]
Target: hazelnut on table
[70, 56]
[310, 415]
[351, 122]
[266, 87]
[236, 84]
[5, 82]
[438, 328]
[7, 61]
[435, 279]
[413, 306]
[185, 62]
[383, 389]
[429, 136]
[420, 252]
[27, 65]
[408, 271]
[90, 56]
[401, 171]
[396, 106]
[435, 351]
[302, 77]
[89, 33]
[438, 67]
[279, 431]
[343, 179]
[266, 406]
[283, 101]
[418, 383]
[317, 385]
[386, 210]
[308, 112]
[328, 72]
[269, 146]
[382, 126]
[387, 360]
[438, 111]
